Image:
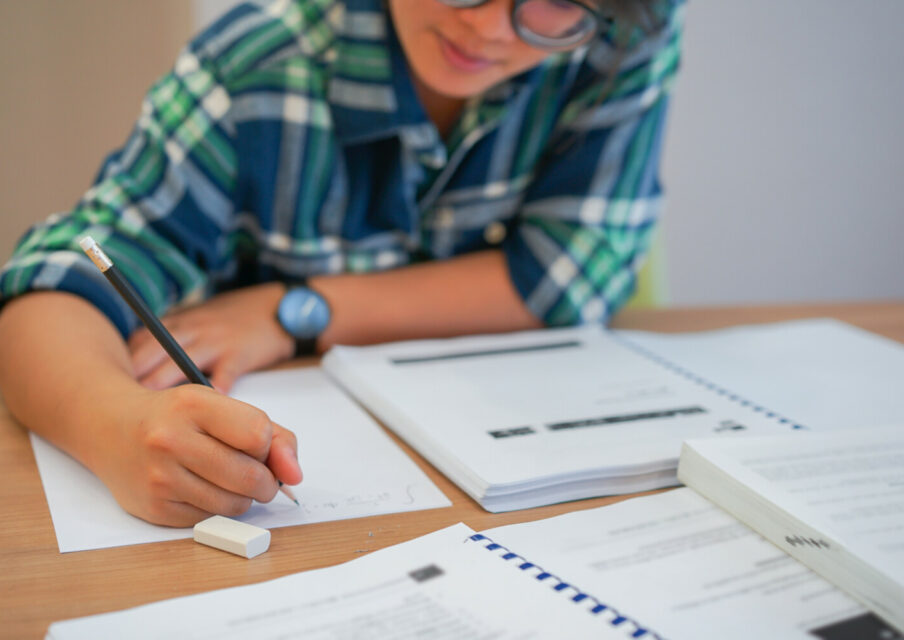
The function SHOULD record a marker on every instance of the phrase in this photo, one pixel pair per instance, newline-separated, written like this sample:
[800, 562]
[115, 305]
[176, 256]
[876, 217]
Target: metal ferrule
[97, 255]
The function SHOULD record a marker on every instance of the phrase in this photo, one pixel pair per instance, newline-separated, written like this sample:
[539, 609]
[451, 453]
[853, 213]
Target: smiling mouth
[461, 59]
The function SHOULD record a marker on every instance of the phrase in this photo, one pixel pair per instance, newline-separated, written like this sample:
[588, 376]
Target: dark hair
[633, 18]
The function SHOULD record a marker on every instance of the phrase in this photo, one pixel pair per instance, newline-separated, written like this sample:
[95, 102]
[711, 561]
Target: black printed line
[631, 417]
[568, 344]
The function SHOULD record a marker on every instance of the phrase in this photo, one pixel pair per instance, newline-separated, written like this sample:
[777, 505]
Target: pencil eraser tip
[230, 535]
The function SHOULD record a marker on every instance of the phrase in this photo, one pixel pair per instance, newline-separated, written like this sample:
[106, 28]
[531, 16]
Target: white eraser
[236, 537]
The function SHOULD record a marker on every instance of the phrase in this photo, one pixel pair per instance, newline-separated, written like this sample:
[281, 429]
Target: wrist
[276, 291]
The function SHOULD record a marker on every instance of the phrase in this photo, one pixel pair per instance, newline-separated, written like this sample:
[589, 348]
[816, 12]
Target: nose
[491, 20]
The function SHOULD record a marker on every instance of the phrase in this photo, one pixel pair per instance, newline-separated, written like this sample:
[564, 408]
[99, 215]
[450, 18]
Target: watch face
[303, 313]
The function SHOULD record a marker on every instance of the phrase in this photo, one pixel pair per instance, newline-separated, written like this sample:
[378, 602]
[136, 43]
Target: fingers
[167, 373]
[156, 370]
[197, 452]
[223, 467]
[207, 497]
[237, 443]
[184, 499]
[180, 463]
[228, 335]
[231, 456]
[283, 458]
[150, 362]
[234, 423]
[172, 514]
[147, 352]
[225, 372]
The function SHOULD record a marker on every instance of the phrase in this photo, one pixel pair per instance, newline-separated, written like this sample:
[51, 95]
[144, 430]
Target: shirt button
[494, 233]
[445, 218]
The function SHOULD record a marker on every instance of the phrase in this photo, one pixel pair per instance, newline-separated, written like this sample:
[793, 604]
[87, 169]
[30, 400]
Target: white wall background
[206, 11]
[785, 157]
[784, 162]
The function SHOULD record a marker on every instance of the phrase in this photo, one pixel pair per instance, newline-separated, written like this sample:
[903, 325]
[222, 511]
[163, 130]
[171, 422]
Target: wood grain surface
[39, 585]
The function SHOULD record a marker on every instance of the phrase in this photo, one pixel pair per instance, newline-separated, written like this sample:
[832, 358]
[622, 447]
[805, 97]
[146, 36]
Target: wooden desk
[39, 585]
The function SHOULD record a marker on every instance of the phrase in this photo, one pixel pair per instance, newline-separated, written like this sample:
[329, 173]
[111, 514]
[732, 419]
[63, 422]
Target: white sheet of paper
[820, 373]
[458, 590]
[351, 469]
[680, 564]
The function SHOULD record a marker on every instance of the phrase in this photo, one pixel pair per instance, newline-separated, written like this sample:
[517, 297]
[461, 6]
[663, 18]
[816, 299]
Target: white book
[834, 501]
[666, 566]
[531, 418]
[526, 419]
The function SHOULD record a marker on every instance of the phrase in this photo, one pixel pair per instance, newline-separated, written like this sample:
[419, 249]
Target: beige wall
[72, 75]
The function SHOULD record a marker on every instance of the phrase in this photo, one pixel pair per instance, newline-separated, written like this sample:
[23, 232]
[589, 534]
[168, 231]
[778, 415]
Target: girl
[315, 172]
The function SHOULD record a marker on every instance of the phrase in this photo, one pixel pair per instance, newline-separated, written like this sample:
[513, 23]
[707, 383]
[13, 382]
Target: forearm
[172, 456]
[60, 361]
[464, 295]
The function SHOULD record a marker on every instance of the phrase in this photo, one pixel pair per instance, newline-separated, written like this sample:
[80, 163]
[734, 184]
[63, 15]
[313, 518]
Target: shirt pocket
[470, 220]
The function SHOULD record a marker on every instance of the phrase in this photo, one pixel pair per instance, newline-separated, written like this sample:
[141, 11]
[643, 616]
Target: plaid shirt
[288, 141]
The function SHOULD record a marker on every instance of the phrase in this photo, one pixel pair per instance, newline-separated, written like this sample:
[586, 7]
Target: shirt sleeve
[159, 207]
[587, 219]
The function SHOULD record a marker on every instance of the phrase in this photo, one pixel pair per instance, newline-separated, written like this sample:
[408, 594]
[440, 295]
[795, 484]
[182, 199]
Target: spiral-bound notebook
[665, 566]
[532, 418]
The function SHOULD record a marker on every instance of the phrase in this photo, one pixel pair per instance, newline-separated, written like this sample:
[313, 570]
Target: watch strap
[305, 347]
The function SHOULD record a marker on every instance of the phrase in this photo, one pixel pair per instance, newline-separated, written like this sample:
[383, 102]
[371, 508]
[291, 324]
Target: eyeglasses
[550, 24]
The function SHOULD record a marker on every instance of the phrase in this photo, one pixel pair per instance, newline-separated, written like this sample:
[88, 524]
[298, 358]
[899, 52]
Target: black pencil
[150, 320]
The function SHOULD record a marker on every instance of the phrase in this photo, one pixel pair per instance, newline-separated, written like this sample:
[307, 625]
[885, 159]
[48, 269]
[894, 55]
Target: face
[461, 52]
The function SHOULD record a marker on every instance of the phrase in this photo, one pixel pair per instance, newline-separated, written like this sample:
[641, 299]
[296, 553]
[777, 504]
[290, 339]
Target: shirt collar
[371, 94]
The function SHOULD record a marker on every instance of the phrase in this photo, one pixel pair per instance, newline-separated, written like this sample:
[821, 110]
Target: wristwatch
[303, 314]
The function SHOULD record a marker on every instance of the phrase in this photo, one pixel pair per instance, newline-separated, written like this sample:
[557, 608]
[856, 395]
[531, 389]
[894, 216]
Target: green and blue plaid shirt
[288, 141]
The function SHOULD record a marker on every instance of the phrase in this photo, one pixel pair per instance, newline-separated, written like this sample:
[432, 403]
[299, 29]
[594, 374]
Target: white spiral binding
[693, 377]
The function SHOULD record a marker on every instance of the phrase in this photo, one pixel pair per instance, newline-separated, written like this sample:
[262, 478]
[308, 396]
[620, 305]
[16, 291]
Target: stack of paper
[834, 501]
[533, 418]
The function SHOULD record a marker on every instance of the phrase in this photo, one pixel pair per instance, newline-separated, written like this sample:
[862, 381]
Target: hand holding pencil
[215, 453]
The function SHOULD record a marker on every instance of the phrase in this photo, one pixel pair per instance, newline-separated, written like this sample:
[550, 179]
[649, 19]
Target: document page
[441, 586]
[690, 570]
[351, 469]
[539, 404]
[820, 373]
[846, 485]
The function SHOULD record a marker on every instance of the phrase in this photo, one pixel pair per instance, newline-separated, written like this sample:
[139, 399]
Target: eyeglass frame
[536, 40]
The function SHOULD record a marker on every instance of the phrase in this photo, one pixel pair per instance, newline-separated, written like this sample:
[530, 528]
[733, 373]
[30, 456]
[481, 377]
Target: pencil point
[288, 493]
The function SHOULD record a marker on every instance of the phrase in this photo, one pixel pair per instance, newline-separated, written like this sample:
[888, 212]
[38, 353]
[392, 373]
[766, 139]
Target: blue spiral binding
[693, 377]
[631, 628]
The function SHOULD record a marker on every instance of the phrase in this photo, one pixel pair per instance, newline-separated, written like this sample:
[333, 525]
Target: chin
[458, 85]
